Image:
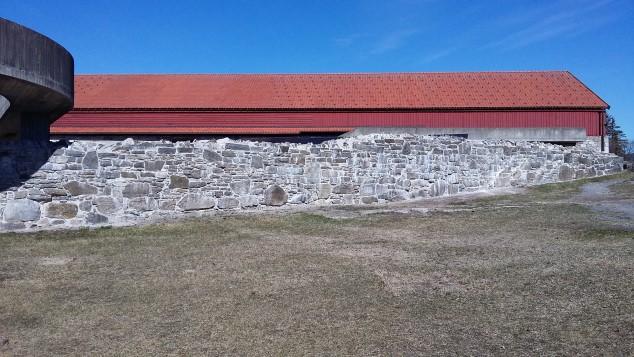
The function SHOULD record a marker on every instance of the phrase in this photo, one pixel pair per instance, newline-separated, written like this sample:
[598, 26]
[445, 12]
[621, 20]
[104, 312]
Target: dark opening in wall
[315, 138]
[463, 136]
[562, 143]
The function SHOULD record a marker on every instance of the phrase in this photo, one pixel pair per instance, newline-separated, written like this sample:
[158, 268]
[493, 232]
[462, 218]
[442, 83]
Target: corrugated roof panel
[461, 90]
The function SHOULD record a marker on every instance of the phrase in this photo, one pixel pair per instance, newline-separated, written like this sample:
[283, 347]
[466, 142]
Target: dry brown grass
[542, 278]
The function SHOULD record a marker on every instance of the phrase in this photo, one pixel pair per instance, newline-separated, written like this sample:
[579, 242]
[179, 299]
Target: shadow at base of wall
[21, 159]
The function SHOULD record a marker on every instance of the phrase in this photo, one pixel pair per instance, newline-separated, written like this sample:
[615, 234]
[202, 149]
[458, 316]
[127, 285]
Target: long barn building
[549, 106]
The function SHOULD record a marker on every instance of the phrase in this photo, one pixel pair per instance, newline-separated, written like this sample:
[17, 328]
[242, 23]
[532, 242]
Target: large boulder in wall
[274, 195]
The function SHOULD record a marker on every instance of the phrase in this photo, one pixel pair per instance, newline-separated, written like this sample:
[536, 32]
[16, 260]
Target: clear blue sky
[594, 39]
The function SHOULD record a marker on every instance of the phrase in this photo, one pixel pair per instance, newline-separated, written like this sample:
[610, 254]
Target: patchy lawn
[625, 188]
[535, 273]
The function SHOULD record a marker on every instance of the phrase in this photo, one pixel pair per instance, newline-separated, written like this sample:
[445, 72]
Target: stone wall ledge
[102, 183]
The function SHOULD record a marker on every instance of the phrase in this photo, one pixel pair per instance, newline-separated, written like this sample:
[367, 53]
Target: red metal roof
[362, 91]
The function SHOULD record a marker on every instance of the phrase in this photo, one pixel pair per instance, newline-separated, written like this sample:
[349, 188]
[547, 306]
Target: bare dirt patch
[55, 260]
[613, 199]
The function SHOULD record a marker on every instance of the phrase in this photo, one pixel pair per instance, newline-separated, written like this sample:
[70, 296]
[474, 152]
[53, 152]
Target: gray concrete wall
[36, 76]
[100, 183]
[515, 134]
[4, 105]
[596, 140]
[35, 58]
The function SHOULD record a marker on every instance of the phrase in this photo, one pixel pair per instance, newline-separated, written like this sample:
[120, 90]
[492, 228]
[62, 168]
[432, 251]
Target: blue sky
[594, 39]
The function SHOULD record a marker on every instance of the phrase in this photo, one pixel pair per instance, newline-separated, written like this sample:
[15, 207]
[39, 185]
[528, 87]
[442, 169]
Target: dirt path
[601, 197]
[596, 190]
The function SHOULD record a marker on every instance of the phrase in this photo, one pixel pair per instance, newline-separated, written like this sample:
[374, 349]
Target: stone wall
[99, 183]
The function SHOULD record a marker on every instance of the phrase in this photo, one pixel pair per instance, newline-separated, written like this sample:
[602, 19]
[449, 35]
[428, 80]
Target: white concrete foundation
[571, 135]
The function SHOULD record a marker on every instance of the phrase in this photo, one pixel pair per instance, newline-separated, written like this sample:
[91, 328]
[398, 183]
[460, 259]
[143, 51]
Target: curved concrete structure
[36, 82]
[4, 105]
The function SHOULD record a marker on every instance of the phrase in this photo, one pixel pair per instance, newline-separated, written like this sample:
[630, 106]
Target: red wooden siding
[195, 122]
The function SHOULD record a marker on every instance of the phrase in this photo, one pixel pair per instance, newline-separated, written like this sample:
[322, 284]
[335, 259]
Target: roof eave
[396, 109]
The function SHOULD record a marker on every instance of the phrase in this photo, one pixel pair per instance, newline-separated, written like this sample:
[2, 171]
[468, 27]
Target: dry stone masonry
[91, 183]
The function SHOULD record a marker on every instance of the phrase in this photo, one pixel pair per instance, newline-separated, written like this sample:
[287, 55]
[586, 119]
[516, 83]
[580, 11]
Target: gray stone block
[240, 187]
[211, 156]
[56, 192]
[184, 150]
[197, 184]
[257, 162]
[369, 199]
[96, 218]
[438, 188]
[298, 159]
[73, 153]
[85, 206]
[109, 175]
[228, 203]
[234, 146]
[129, 175]
[154, 165]
[249, 201]
[38, 195]
[177, 181]
[192, 202]
[274, 195]
[343, 188]
[367, 189]
[76, 188]
[136, 189]
[90, 161]
[142, 204]
[312, 172]
[298, 198]
[11, 226]
[566, 173]
[395, 195]
[324, 190]
[60, 210]
[106, 205]
[166, 151]
[167, 205]
[21, 210]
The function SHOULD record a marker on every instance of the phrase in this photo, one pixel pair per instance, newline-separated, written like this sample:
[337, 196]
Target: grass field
[534, 273]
